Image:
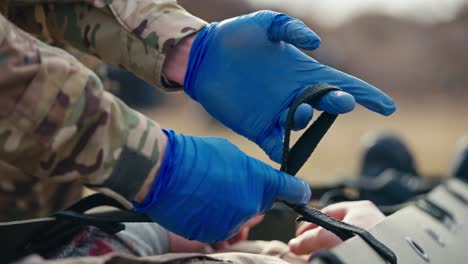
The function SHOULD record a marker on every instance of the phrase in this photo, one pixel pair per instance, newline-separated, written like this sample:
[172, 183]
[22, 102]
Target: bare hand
[310, 238]
[180, 244]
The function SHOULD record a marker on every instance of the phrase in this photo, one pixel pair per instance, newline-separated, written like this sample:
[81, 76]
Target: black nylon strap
[93, 201]
[295, 158]
[108, 221]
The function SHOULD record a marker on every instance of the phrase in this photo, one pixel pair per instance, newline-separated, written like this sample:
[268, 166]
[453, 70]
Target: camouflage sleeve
[133, 34]
[57, 123]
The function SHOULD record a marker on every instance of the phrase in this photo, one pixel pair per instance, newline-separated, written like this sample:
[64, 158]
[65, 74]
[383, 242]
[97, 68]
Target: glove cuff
[163, 176]
[197, 54]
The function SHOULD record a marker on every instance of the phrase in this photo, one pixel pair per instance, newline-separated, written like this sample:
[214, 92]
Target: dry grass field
[430, 126]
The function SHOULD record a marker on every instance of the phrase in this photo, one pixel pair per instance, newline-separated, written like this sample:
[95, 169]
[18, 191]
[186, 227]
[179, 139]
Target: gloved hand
[206, 188]
[246, 71]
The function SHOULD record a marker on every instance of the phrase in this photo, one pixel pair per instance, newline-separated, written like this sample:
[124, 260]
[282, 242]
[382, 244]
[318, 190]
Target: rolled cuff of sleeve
[162, 27]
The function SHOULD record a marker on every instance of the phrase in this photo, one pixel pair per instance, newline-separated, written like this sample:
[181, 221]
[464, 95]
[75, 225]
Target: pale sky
[338, 11]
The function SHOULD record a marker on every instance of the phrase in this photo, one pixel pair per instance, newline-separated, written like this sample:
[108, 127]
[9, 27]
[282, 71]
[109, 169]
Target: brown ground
[430, 128]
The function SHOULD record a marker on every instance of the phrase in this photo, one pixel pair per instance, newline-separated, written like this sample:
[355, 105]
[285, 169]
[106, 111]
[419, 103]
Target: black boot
[387, 171]
[386, 151]
[460, 166]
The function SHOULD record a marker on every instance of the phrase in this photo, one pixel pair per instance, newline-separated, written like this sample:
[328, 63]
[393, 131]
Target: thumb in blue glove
[206, 188]
[246, 72]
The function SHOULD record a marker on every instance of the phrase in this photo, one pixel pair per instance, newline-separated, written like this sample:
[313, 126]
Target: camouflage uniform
[58, 127]
[58, 124]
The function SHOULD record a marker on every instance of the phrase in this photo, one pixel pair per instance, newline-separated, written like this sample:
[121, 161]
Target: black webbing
[93, 201]
[295, 158]
[108, 221]
[327, 256]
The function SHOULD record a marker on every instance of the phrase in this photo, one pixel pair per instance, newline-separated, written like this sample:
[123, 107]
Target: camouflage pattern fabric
[133, 34]
[97, 66]
[57, 123]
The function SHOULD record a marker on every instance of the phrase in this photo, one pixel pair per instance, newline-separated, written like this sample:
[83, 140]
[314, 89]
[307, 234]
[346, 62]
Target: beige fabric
[247, 252]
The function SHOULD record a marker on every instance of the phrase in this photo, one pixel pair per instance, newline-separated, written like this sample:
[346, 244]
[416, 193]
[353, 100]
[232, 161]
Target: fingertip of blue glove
[388, 106]
[307, 193]
[293, 31]
[295, 191]
[337, 102]
[383, 105]
[303, 37]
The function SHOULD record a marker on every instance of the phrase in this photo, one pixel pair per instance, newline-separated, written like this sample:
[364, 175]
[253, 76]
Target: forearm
[136, 35]
[57, 123]
[176, 63]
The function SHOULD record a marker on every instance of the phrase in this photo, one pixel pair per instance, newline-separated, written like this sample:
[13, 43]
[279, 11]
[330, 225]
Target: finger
[292, 189]
[293, 31]
[305, 227]
[220, 246]
[272, 144]
[254, 221]
[243, 232]
[337, 211]
[241, 235]
[337, 102]
[312, 241]
[302, 117]
[181, 244]
[340, 210]
[364, 93]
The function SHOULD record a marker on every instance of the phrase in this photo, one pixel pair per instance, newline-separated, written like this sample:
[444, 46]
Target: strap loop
[108, 221]
[295, 158]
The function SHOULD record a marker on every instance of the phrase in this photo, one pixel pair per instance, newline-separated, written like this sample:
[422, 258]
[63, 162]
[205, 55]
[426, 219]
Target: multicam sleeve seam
[149, 29]
[162, 29]
[157, 60]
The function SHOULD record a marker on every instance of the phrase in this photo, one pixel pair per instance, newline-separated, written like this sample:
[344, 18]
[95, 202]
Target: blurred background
[414, 50]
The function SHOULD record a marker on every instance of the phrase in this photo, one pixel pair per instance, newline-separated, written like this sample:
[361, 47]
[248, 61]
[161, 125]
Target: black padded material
[436, 244]
[27, 237]
[327, 257]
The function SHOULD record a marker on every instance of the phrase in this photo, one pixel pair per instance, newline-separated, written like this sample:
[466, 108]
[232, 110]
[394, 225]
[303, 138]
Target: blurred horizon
[414, 50]
[337, 12]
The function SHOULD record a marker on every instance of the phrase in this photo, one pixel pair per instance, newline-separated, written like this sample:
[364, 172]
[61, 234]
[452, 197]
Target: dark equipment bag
[432, 230]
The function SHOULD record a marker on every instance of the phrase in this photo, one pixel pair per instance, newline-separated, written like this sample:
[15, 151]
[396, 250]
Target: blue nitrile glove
[206, 188]
[246, 71]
